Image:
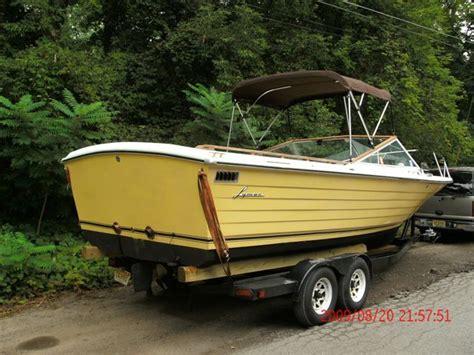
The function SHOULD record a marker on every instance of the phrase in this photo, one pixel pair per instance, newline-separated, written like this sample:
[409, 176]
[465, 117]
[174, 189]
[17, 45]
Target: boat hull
[262, 211]
[146, 250]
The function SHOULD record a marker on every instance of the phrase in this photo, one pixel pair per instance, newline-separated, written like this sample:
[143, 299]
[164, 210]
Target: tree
[29, 148]
[212, 111]
[34, 137]
[86, 124]
[138, 56]
[45, 69]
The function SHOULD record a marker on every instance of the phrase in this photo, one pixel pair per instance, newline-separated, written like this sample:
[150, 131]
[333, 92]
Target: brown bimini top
[283, 90]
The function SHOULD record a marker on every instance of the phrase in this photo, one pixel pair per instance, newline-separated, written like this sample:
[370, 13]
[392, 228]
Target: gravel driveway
[119, 321]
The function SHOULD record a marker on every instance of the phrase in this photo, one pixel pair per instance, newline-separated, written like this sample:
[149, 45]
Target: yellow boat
[179, 205]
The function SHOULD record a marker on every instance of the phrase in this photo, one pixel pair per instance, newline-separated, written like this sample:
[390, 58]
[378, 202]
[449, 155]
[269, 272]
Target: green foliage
[34, 136]
[212, 110]
[86, 123]
[208, 102]
[137, 58]
[29, 144]
[311, 119]
[125, 132]
[28, 267]
[43, 70]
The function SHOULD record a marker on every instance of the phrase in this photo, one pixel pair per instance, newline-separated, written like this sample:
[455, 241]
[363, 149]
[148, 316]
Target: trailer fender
[340, 265]
[367, 259]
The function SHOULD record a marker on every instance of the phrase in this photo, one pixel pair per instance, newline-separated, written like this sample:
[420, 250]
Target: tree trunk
[40, 220]
[4, 7]
[114, 13]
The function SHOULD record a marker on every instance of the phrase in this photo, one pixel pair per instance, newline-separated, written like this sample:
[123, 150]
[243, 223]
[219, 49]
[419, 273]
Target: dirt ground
[118, 321]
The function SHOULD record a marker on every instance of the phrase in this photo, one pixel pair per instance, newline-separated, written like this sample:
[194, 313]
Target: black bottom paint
[139, 249]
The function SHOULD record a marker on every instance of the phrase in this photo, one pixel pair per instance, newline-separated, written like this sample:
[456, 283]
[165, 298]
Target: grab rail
[443, 172]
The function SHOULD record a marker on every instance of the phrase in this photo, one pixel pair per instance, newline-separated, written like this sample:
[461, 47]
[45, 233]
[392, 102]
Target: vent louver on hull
[227, 176]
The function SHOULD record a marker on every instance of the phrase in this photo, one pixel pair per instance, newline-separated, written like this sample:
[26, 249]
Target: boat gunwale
[218, 148]
[208, 162]
[114, 151]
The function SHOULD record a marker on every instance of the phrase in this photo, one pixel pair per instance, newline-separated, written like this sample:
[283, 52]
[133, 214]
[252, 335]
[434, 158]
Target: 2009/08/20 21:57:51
[386, 315]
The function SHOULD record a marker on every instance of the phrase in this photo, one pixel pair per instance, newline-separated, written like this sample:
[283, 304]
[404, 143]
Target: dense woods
[78, 72]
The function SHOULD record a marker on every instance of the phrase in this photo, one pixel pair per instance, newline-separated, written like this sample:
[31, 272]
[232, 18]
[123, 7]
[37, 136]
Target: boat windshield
[332, 148]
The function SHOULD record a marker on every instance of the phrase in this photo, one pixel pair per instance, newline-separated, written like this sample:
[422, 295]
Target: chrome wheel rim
[357, 285]
[322, 295]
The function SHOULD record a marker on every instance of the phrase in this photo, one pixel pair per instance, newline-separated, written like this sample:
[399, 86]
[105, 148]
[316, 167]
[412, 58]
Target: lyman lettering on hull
[243, 194]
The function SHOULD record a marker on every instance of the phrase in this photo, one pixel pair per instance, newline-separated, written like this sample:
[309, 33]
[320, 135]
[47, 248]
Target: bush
[212, 111]
[29, 267]
[34, 136]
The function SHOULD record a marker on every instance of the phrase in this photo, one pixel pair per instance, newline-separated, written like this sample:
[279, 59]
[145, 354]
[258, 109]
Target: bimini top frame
[281, 91]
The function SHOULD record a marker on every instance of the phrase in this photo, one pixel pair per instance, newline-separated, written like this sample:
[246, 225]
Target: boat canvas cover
[283, 90]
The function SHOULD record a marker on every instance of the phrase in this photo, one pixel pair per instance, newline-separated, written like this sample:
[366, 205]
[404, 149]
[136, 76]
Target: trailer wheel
[317, 296]
[354, 286]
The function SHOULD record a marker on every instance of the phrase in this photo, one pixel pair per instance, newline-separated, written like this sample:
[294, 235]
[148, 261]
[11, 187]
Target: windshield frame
[387, 139]
[381, 147]
[268, 153]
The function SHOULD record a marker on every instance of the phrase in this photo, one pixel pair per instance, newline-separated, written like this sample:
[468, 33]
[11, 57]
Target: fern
[35, 136]
[43, 263]
[69, 98]
[28, 268]
[42, 249]
[16, 250]
[87, 123]
[5, 102]
[212, 111]
[63, 108]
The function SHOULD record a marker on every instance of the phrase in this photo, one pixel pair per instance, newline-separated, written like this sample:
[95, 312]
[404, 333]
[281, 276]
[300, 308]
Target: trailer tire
[317, 297]
[354, 286]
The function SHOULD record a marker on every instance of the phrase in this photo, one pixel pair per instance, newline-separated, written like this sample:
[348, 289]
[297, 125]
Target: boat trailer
[289, 282]
[321, 285]
[334, 279]
[318, 282]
